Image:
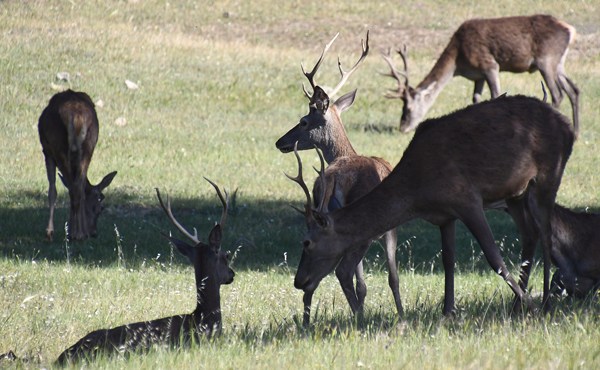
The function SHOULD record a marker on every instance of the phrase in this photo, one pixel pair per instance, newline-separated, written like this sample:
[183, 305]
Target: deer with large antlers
[479, 50]
[453, 168]
[211, 270]
[352, 176]
[68, 129]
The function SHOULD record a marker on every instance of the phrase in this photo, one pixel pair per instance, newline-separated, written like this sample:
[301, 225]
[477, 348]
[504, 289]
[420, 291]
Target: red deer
[575, 250]
[480, 49]
[353, 175]
[453, 168]
[68, 129]
[211, 269]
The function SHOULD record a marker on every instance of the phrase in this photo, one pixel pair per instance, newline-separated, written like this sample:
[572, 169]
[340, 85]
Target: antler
[175, 223]
[310, 76]
[396, 74]
[344, 74]
[324, 190]
[300, 181]
[224, 202]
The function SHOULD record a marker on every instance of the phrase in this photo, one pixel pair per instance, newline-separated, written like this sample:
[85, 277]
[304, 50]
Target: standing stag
[453, 168]
[211, 270]
[351, 175]
[68, 129]
[480, 49]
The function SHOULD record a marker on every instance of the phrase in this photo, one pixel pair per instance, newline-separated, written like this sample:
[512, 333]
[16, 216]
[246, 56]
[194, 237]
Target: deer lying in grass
[480, 49]
[68, 129]
[454, 167]
[353, 176]
[211, 269]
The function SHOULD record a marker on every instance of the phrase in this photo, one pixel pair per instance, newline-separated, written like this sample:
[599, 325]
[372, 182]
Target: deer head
[210, 263]
[322, 126]
[86, 210]
[416, 102]
[316, 264]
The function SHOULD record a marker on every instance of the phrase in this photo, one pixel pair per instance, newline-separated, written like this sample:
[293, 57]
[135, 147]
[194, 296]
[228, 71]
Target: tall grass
[218, 84]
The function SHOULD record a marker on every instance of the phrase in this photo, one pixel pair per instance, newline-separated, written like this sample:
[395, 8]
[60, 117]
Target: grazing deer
[68, 129]
[353, 175]
[453, 168]
[211, 269]
[575, 250]
[480, 49]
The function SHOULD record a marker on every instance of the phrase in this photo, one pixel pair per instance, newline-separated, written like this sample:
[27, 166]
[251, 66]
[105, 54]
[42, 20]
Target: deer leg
[478, 226]
[492, 77]
[551, 80]
[521, 215]
[478, 90]
[448, 247]
[345, 271]
[51, 173]
[391, 240]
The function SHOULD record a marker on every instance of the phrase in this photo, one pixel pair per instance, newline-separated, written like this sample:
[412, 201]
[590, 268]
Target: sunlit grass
[218, 84]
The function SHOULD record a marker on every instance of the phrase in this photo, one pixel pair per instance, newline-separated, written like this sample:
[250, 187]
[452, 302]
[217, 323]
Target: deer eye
[306, 244]
[303, 123]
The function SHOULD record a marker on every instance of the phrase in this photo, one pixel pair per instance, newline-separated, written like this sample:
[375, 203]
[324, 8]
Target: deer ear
[106, 180]
[320, 100]
[184, 248]
[214, 239]
[345, 102]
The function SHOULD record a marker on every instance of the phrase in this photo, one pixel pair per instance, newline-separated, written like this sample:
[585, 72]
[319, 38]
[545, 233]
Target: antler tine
[345, 75]
[175, 223]
[402, 53]
[224, 201]
[321, 173]
[396, 74]
[544, 91]
[310, 76]
[300, 181]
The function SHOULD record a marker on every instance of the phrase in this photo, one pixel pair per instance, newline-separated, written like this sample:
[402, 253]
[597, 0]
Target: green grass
[219, 83]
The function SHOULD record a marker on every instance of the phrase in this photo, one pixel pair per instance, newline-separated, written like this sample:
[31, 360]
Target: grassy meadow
[219, 82]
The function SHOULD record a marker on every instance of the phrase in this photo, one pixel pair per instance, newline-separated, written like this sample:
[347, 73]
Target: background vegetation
[219, 82]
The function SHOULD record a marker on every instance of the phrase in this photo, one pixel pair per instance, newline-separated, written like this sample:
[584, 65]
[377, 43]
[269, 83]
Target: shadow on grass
[264, 233]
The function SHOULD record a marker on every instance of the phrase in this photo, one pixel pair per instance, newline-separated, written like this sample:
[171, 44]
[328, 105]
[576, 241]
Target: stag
[453, 168]
[479, 50]
[68, 129]
[211, 269]
[353, 175]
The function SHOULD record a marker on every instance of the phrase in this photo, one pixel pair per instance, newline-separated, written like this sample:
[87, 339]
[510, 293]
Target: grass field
[219, 82]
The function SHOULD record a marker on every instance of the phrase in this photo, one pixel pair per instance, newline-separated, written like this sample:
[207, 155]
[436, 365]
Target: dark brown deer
[68, 129]
[211, 270]
[480, 49]
[453, 168]
[353, 175]
[575, 250]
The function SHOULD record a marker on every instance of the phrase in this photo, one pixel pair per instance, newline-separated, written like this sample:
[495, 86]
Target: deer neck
[441, 73]
[336, 143]
[385, 207]
[208, 304]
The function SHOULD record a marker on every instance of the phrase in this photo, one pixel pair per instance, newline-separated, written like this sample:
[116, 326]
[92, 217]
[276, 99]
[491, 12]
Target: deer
[354, 175]
[454, 167]
[575, 252]
[211, 270]
[479, 50]
[68, 130]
